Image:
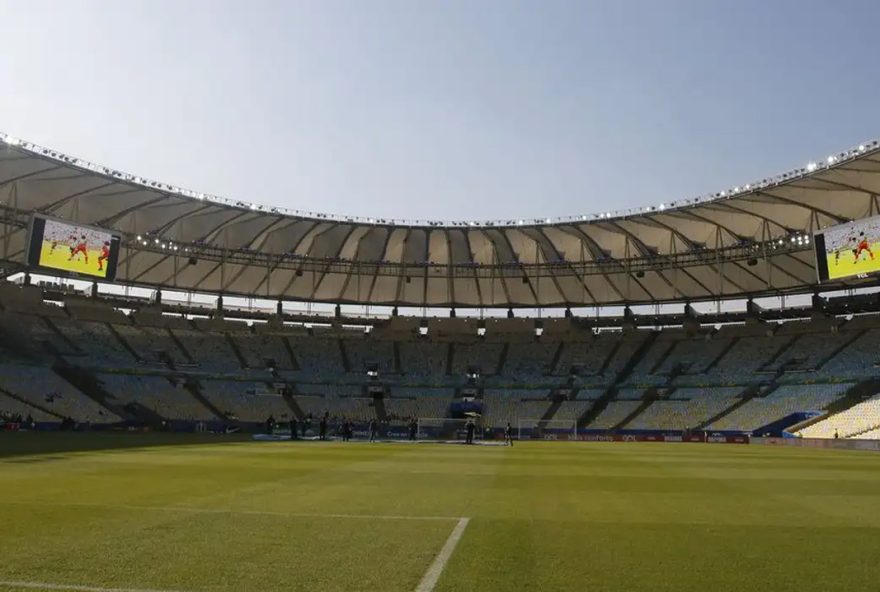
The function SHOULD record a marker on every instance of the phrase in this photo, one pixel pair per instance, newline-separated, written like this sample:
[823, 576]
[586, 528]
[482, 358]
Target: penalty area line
[75, 587]
[429, 580]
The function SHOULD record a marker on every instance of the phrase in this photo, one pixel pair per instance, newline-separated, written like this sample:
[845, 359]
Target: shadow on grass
[35, 447]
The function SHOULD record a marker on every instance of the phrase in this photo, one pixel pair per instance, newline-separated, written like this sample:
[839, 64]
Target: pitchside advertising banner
[74, 249]
[847, 250]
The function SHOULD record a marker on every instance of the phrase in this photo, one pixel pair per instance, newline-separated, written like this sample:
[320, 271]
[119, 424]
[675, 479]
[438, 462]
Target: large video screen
[80, 250]
[847, 250]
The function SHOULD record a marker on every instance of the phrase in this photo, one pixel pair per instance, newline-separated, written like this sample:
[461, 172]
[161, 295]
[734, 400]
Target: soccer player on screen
[81, 247]
[863, 246]
[105, 254]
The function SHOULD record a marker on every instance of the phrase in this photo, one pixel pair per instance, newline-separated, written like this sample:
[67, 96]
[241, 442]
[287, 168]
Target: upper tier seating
[95, 344]
[363, 352]
[529, 360]
[259, 350]
[484, 356]
[424, 359]
[211, 351]
[320, 358]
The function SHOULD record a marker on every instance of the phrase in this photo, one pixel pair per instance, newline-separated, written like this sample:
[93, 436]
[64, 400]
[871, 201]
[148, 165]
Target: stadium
[182, 374]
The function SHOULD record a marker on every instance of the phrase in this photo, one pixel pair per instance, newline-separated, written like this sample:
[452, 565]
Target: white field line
[429, 580]
[229, 511]
[49, 586]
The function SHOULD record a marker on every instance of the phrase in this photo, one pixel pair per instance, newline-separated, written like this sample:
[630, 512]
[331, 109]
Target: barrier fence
[826, 443]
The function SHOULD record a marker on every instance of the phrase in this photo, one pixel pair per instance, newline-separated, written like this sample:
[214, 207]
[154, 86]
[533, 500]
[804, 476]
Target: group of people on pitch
[346, 429]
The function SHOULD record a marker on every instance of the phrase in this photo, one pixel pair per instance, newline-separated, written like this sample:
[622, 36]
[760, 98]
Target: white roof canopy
[726, 245]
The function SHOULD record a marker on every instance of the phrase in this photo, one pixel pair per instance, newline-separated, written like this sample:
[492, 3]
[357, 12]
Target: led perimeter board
[848, 250]
[78, 250]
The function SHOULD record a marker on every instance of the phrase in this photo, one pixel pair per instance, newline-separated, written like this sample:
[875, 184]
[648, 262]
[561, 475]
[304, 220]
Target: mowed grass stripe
[187, 509]
[80, 588]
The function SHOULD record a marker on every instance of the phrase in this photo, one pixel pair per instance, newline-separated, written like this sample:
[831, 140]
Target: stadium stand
[408, 402]
[41, 388]
[156, 394]
[244, 400]
[111, 355]
[686, 408]
[868, 435]
[780, 403]
[264, 350]
[859, 419]
[613, 414]
[14, 410]
[424, 359]
[95, 364]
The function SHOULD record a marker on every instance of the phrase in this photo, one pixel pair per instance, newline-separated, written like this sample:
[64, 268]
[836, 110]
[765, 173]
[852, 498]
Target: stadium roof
[750, 240]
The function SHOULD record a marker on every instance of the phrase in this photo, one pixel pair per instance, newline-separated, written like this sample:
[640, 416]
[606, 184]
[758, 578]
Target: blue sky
[448, 110]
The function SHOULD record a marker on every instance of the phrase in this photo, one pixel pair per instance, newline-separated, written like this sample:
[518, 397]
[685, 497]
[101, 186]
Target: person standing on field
[470, 427]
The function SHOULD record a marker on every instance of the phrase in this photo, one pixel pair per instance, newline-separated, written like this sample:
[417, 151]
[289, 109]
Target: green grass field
[204, 514]
[60, 259]
[846, 265]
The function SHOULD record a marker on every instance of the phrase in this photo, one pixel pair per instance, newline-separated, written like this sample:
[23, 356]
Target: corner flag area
[98, 512]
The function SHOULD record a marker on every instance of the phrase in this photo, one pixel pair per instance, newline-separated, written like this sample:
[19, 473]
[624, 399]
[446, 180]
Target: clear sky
[469, 109]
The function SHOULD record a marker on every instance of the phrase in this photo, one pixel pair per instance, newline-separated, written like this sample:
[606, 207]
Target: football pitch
[60, 259]
[126, 512]
[847, 265]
